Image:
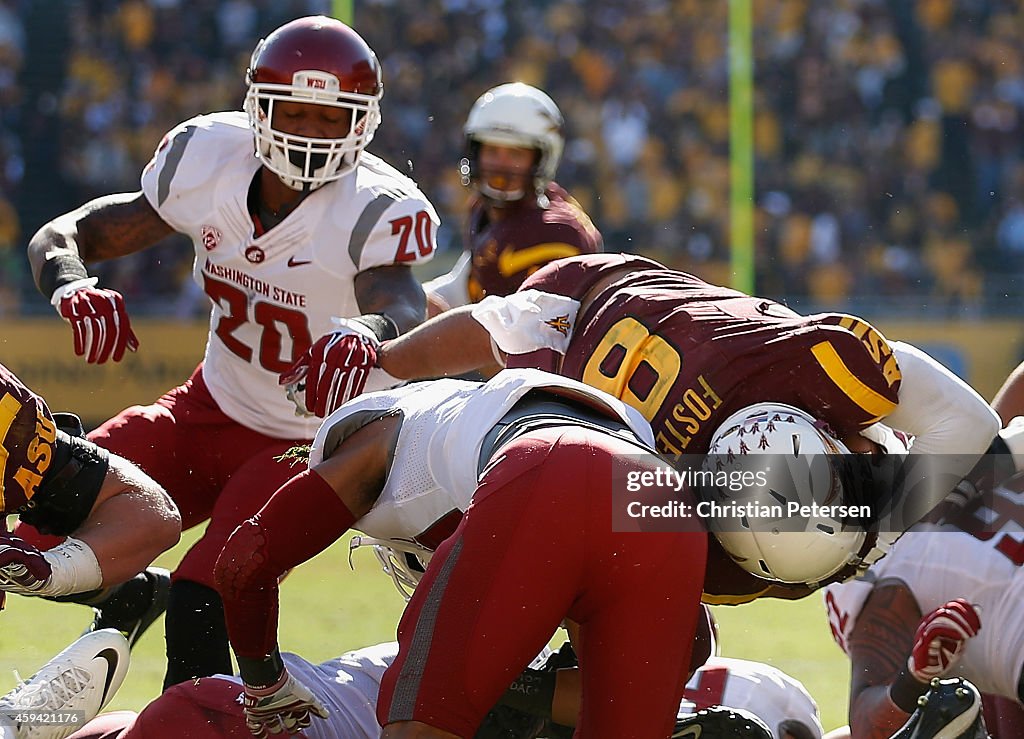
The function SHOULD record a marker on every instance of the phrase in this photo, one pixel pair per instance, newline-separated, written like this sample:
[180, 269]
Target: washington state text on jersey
[249, 282]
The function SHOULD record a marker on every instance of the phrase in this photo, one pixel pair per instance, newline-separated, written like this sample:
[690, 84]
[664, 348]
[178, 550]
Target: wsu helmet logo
[211, 237]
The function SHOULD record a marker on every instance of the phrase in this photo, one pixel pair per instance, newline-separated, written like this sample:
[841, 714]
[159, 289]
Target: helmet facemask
[303, 162]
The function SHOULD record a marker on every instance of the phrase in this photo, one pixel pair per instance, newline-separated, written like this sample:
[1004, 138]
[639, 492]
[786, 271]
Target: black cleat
[720, 722]
[134, 605]
[951, 709]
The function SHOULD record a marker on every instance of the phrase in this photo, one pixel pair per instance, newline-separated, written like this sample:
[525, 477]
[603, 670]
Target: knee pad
[241, 564]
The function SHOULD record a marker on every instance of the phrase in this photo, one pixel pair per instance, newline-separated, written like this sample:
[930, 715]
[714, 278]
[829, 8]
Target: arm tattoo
[884, 634]
[116, 225]
[881, 640]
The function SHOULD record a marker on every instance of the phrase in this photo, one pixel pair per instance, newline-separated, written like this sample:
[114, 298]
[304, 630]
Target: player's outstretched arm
[305, 516]
[107, 227]
[451, 344]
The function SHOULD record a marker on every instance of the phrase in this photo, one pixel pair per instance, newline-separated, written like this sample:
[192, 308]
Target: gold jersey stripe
[9, 408]
[874, 403]
[513, 261]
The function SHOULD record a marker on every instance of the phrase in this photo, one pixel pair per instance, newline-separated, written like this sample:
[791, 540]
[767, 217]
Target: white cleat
[68, 691]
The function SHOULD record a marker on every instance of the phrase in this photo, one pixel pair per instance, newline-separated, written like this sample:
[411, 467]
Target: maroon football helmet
[313, 60]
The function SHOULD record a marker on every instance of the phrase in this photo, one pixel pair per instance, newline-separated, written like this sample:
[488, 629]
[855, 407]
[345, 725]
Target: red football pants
[537, 546]
[213, 467]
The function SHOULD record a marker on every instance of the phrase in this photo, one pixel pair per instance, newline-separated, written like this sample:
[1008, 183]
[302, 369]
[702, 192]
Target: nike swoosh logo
[514, 261]
[112, 659]
[293, 262]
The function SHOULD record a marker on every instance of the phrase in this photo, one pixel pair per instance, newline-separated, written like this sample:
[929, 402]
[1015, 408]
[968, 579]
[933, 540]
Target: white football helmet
[514, 114]
[313, 60]
[801, 463]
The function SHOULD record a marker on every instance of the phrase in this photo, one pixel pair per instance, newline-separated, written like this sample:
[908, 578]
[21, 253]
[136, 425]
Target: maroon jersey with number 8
[687, 354]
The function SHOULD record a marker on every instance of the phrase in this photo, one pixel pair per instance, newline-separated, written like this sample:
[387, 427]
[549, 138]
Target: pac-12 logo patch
[211, 237]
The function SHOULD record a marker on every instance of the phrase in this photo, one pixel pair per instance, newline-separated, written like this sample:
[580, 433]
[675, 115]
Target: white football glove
[287, 706]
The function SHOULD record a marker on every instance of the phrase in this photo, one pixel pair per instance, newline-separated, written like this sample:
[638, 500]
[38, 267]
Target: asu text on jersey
[27, 435]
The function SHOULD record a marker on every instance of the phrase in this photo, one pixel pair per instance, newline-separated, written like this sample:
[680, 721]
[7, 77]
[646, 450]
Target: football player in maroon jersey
[116, 519]
[689, 354]
[519, 219]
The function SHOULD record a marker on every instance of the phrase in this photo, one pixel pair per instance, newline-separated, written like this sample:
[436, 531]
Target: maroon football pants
[536, 546]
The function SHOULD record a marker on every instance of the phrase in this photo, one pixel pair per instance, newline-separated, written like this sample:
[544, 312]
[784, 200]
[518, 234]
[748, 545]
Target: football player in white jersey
[533, 459]
[947, 600]
[303, 241]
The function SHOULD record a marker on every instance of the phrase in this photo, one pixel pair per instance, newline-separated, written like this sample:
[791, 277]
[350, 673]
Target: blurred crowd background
[888, 139]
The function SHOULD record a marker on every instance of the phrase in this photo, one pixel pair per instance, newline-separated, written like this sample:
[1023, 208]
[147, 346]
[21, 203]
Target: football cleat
[721, 722]
[67, 691]
[951, 709]
[134, 606]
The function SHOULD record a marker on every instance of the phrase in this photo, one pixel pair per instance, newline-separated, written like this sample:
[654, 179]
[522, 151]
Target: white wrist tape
[75, 569]
[71, 287]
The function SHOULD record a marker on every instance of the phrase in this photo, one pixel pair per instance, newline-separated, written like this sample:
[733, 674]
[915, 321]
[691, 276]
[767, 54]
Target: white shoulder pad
[180, 178]
[528, 320]
[397, 224]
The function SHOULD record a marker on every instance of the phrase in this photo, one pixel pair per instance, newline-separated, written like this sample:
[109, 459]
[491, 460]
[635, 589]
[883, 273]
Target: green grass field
[327, 608]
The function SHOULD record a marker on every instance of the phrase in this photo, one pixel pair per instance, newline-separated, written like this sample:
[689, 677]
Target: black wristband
[60, 270]
[532, 692]
[905, 690]
[261, 673]
[382, 326]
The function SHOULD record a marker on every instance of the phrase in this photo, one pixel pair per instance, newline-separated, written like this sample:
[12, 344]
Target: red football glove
[334, 370]
[23, 568]
[941, 639]
[98, 319]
